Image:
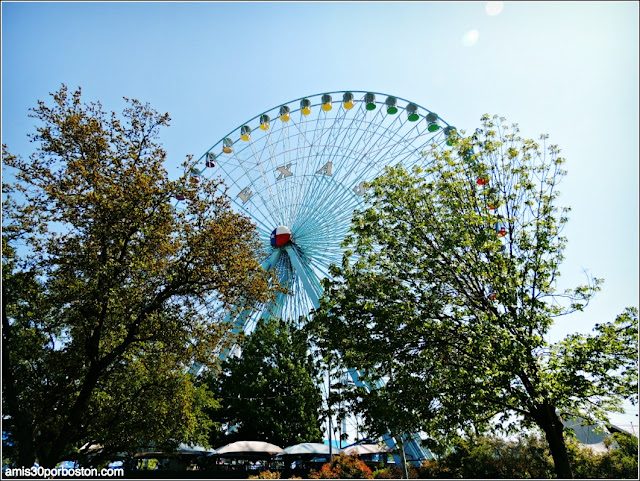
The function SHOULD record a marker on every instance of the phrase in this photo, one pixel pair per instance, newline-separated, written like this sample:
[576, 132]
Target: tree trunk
[403, 458]
[553, 428]
[23, 432]
[47, 458]
[26, 451]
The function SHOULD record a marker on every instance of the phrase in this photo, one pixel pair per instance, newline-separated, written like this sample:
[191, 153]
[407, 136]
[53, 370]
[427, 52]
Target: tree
[448, 287]
[271, 391]
[110, 291]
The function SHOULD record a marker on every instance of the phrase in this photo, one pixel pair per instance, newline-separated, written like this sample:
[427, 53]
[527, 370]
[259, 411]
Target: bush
[528, 457]
[620, 462]
[390, 472]
[395, 472]
[623, 461]
[266, 475]
[343, 467]
[270, 475]
[489, 457]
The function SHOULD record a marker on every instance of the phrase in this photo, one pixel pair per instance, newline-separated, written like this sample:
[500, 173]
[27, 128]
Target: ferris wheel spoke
[323, 224]
[245, 194]
[254, 169]
[280, 171]
[348, 140]
[316, 150]
[411, 150]
[335, 134]
[274, 201]
[285, 169]
[372, 152]
[304, 153]
[387, 152]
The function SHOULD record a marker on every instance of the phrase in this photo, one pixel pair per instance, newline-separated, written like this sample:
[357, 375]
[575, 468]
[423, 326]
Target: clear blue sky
[569, 69]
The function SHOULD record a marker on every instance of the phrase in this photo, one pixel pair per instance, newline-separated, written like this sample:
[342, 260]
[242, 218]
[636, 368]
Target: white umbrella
[250, 447]
[308, 448]
[366, 449]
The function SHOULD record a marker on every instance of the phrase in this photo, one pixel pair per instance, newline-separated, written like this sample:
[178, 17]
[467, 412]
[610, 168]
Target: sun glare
[470, 38]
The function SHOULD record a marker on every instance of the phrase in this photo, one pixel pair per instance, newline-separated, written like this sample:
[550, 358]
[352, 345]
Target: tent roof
[252, 447]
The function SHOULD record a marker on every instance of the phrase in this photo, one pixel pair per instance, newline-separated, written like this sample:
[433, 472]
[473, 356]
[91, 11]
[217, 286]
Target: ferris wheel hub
[280, 236]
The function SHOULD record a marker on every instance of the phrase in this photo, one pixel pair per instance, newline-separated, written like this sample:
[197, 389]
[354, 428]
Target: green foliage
[449, 313]
[386, 473]
[395, 472]
[582, 367]
[528, 457]
[270, 475]
[271, 391]
[343, 467]
[110, 291]
[491, 457]
[620, 461]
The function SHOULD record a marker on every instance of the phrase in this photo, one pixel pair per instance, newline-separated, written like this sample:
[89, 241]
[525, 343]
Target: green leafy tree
[109, 291]
[271, 392]
[448, 287]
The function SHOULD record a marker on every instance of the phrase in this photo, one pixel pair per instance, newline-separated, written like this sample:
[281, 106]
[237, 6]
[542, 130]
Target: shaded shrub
[266, 475]
[528, 457]
[619, 462]
[623, 461]
[395, 472]
[343, 467]
[390, 472]
[490, 457]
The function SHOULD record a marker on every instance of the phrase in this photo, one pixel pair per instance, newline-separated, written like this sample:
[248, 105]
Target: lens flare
[470, 38]
[493, 8]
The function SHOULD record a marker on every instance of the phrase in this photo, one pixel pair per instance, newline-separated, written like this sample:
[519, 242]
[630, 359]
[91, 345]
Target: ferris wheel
[299, 170]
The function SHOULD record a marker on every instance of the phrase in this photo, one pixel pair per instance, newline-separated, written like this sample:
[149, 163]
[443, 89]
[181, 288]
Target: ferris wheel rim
[257, 117]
